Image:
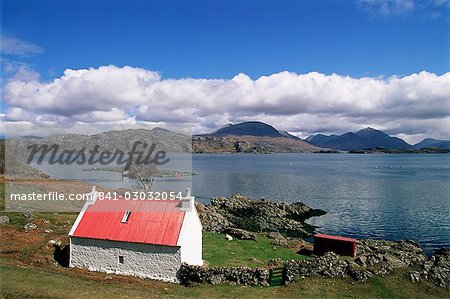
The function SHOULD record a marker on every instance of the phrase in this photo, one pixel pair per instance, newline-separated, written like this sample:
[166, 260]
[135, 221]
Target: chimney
[187, 202]
[92, 196]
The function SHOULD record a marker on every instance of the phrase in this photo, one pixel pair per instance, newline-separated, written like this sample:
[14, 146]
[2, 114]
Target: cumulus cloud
[410, 106]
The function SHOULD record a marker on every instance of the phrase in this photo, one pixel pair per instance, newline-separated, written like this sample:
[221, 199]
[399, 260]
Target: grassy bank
[31, 282]
[220, 252]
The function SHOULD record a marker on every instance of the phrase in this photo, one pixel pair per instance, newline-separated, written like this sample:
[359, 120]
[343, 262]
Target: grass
[218, 251]
[30, 282]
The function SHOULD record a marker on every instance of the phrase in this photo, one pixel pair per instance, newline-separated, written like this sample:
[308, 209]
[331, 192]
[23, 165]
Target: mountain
[429, 142]
[107, 141]
[363, 139]
[250, 144]
[251, 137]
[249, 128]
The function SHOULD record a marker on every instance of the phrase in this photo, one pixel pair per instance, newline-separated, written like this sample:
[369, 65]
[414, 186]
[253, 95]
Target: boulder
[241, 234]
[4, 220]
[28, 214]
[30, 226]
[55, 242]
[277, 239]
[414, 276]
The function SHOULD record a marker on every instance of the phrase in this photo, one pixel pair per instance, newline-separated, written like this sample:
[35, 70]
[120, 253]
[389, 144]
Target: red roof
[323, 236]
[150, 221]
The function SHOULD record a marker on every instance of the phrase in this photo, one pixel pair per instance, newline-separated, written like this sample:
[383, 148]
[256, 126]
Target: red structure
[340, 245]
[147, 221]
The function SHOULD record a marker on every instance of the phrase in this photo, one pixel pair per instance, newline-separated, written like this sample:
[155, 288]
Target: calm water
[377, 196]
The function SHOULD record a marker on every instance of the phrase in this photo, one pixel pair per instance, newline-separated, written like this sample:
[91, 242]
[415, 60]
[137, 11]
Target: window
[125, 217]
[120, 259]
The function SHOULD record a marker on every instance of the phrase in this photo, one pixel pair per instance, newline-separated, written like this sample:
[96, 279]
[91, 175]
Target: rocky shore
[283, 223]
[374, 258]
[241, 216]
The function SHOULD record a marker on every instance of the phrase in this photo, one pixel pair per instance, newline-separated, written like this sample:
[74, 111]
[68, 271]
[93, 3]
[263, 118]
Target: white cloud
[388, 7]
[16, 47]
[396, 8]
[300, 103]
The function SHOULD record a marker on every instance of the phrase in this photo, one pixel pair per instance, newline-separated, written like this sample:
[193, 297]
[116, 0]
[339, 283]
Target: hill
[17, 152]
[250, 137]
[250, 144]
[249, 128]
[429, 142]
[112, 140]
[363, 139]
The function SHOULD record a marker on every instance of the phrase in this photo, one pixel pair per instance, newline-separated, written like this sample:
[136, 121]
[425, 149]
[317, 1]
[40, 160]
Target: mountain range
[245, 137]
[363, 139]
[429, 142]
[370, 138]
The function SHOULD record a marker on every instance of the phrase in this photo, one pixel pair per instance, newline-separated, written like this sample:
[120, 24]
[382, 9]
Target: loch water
[382, 196]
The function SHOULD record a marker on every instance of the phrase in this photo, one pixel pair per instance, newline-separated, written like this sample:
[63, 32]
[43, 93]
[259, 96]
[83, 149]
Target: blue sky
[219, 39]
[126, 63]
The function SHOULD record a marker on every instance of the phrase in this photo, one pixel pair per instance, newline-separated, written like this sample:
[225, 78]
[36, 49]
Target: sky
[303, 66]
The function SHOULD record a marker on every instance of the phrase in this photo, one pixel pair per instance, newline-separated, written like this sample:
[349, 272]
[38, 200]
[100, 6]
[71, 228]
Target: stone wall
[235, 275]
[142, 260]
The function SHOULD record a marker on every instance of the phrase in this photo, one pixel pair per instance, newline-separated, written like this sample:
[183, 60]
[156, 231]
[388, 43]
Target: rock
[441, 251]
[275, 262]
[48, 231]
[27, 214]
[278, 239]
[241, 234]
[4, 220]
[212, 220]
[393, 262]
[439, 272]
[305, 248]
[414, 276]
[228, 237]
[274, 235]
[361, 260]
[360, 275]
[55, 242]
[30, 226]
[257, 216]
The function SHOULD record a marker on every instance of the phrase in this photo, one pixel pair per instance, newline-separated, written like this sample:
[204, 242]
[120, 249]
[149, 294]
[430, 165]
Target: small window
[125, 217]
[120, 259]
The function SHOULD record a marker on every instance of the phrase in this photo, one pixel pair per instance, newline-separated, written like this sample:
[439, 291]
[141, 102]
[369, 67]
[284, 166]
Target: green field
[220, 252]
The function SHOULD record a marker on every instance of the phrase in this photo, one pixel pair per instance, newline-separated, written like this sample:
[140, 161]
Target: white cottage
[144, 238]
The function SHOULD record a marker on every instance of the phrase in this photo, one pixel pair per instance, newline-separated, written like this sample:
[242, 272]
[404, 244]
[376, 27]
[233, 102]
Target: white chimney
[93, 195]
[187, 202]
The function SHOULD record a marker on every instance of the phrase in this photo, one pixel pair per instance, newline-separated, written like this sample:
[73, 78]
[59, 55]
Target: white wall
[190, 239]
[142, 260]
